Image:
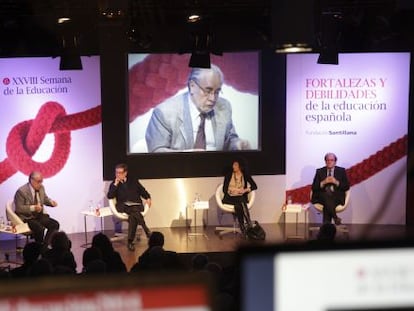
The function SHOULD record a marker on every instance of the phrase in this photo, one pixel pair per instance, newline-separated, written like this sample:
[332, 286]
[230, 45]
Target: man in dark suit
[29, 201]
[129, 192]
[328, 188]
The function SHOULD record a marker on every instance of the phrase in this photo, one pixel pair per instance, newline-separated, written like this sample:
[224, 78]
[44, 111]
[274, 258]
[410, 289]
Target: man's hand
[330, 180]
[54, 203]
[243, 144]
[333, 180]
[38, 208]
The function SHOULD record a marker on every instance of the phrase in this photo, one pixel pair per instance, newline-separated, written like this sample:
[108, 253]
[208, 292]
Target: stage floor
[182, 240]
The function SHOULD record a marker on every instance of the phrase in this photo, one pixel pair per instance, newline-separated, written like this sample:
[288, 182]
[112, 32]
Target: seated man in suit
[129, 192]
[29, 201]
[328, 188]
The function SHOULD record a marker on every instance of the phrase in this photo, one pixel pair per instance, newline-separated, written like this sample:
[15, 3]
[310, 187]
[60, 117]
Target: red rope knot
[26, 137]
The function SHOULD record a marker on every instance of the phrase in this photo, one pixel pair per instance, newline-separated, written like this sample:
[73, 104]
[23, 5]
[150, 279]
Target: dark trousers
[241, 211]
[38, 226]
[329, 202]
[135, 218]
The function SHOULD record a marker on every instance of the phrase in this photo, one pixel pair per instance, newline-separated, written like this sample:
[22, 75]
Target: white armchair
[19, 225]
[339, 208]
[124, 216]
[229, 208]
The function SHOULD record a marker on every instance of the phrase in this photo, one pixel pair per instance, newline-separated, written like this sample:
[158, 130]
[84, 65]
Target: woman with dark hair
[237, 184]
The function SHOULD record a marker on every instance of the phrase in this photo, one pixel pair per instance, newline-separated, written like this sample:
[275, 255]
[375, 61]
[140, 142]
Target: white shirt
[208, 126]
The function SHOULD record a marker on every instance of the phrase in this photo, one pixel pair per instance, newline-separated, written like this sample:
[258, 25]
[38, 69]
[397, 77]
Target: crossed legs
[329, 203]
[135, 218]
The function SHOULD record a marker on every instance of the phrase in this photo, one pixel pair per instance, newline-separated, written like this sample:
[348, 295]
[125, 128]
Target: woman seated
[237, 184]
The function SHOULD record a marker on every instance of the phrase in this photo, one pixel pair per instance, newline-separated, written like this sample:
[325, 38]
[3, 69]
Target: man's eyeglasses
[208, 92]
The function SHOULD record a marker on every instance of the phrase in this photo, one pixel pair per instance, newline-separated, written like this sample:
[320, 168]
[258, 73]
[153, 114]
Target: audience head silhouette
[156, 239]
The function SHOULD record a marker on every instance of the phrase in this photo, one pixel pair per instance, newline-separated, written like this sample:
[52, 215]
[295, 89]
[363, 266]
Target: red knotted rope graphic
[363, 170]
[25, 138]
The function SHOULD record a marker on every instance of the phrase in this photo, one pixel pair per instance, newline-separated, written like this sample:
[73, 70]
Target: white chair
[124, 217]
[20, 227]
[339, 208]
[229, 208]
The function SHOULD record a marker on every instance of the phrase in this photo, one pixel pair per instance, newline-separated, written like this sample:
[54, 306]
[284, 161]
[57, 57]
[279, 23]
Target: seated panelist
[129, 192]
[29, 202]
[328, 188]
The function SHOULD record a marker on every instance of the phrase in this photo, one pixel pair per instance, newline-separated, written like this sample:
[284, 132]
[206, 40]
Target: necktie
[330, 187]
[200, 142]
[36, 197]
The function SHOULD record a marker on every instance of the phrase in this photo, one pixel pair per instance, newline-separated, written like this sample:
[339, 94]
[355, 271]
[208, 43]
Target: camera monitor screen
[168, 100]
[353, 276]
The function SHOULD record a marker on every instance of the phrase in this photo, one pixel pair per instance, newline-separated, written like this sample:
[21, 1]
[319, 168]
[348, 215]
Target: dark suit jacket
[339, 191]
[132, 190]
[24, 198]
[248, 181]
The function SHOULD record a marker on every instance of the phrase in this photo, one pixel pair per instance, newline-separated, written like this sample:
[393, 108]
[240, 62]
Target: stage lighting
[329, 37]
[200, 59]
[139, 37]
[329, 57]
[70, 61]
[293, 35]
[193, 18]
[200, 56]
[203, 44]
[70, 58]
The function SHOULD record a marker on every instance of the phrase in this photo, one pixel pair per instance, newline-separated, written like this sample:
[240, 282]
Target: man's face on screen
[206, 90]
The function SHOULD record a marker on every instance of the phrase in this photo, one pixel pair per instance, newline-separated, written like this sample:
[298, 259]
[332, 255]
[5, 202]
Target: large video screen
[135, 85]
[166, 98]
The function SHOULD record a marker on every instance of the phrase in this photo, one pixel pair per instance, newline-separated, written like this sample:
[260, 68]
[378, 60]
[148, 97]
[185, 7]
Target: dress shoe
[338, 221]
[131, 246]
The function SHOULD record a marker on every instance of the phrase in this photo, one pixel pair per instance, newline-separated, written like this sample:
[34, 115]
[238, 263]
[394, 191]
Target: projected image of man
[198, 120]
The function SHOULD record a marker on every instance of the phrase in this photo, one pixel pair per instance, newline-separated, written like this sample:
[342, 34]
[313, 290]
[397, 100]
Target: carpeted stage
[218, 249]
